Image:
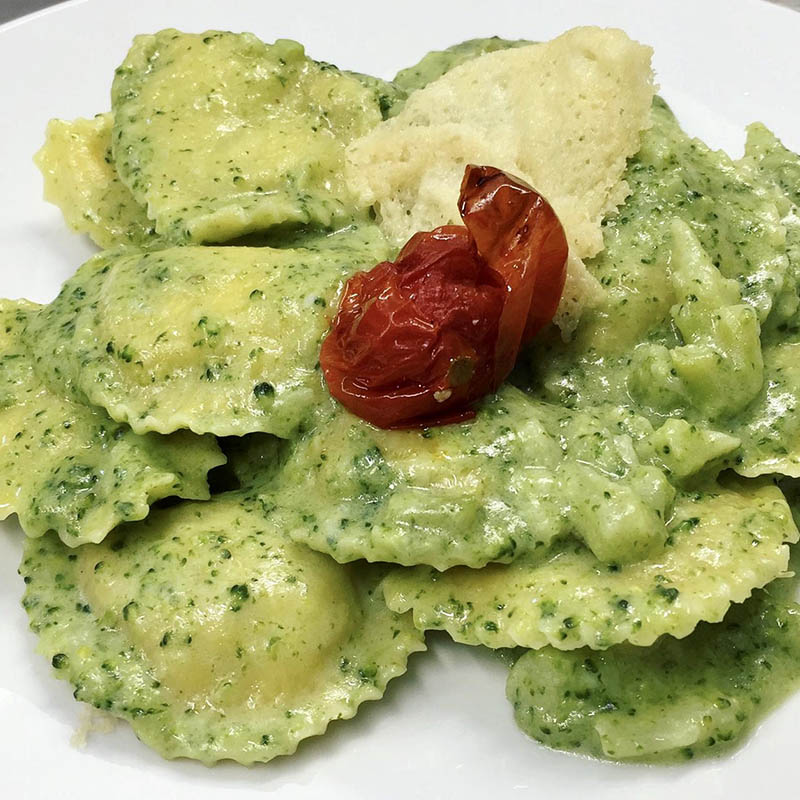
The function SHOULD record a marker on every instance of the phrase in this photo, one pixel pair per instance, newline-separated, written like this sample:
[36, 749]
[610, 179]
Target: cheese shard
[80, 178]
[563, 115]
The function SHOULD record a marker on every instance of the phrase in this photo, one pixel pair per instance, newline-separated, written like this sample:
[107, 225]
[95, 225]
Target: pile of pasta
[221, 555]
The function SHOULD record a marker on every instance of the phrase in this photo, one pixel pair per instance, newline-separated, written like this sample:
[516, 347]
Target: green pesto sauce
[672, 701]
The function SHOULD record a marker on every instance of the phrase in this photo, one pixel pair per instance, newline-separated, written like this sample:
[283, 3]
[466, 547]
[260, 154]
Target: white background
[445, 730]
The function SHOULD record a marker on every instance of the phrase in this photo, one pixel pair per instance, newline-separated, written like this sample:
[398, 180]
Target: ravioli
[217, 340]
[68, 467]
[663, 344]
[723, 543]
[568, 132]
[211, 633]
[219, 134]
[674, 699]
[521, 475]
[80, 178]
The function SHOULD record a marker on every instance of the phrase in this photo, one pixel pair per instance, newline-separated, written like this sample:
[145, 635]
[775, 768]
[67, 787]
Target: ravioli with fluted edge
[217, 340]
[676, 698]
[80, 178]
[723, 543]
[519, 476]
[68, 467]
[212, 633]
[219, 134]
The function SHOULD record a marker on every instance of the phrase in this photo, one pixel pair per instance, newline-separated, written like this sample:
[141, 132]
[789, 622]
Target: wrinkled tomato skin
[401, 326]
[417, 340]
[519, 235]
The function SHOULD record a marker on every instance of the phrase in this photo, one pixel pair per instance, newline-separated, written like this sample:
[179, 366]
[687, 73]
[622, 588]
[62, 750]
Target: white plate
[445, 730]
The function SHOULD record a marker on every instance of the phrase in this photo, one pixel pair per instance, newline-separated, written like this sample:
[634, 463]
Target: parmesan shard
[564, 115]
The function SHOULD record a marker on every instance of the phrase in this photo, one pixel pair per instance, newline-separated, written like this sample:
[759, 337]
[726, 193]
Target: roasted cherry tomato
[417, 340]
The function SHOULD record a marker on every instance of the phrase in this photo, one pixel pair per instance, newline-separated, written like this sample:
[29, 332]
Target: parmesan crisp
[564, 115]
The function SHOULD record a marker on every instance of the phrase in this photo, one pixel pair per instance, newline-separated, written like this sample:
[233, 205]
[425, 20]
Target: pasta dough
[216, 340]
[219, 135]
[68, 467]
[723, 543]
[80, 178]
[213, 634]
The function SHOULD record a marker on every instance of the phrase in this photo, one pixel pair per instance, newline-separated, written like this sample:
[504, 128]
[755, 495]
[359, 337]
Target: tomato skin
[415, 341]
[519, 235]
[402, 326]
